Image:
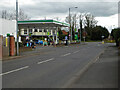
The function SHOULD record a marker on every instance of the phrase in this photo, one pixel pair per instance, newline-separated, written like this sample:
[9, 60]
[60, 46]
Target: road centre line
[76, 52]
[66, 54]
[14, 70]
[45, 61]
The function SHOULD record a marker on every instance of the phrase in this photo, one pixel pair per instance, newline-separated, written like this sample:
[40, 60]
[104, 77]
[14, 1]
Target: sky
[105, 11]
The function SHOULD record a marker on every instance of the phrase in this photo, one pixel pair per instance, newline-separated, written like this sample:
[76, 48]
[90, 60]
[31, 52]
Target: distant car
[38, 42]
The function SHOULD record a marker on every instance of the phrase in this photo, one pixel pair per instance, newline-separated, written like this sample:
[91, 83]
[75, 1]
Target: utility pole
[17, 35]
[70, 31]
[69, 26]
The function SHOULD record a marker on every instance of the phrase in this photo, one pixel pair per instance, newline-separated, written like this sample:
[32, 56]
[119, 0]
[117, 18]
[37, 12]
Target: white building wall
[0, 27]
[7, 26]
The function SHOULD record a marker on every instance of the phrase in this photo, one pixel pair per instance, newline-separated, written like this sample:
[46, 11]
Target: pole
[80, 36]
[69, 26]
[70, 31]
[17, 36]
[84, 36]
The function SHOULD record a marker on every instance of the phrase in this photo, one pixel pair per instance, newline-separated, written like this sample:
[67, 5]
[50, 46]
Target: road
[56, 68]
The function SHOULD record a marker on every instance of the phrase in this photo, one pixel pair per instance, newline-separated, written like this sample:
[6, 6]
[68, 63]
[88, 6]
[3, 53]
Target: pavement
[103, 73]
[56, 68]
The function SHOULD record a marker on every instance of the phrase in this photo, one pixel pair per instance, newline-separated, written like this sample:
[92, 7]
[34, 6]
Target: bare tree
[4, 14]
[81, 20]
[12, 15]
[90, 21]
[22, 15]
[57, 18]
[73, 23]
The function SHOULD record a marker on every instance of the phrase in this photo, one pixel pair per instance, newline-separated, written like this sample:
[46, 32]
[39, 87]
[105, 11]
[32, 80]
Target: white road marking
[14, 70]
[45, 61]
[76, 52]
[66, 54]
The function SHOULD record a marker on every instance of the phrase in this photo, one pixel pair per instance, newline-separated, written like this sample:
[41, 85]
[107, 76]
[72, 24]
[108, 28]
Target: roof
[44, 22]
[64, 32]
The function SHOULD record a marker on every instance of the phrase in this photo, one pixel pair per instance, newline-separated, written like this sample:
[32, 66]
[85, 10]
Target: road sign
[102, 36]
[84, 34]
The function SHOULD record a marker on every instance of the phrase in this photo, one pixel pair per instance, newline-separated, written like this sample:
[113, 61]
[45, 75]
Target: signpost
[102, 39]
[84, 35]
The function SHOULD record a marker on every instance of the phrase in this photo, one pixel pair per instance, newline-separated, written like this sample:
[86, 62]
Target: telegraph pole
[69, 26]
[17, 35]
[70, 31]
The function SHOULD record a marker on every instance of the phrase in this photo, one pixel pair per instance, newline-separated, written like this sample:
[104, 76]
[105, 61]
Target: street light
[17, 36]
[70, 27]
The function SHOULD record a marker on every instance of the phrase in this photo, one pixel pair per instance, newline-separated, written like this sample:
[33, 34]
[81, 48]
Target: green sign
[57, 33]
[76, 37]
[8, 34]
[48, 33]
[75, 29]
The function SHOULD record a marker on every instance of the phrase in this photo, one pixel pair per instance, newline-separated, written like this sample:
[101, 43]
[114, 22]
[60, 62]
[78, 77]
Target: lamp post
[70, 27]
[17, 35]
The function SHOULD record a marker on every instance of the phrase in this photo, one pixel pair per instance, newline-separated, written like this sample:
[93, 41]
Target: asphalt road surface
[53, 69]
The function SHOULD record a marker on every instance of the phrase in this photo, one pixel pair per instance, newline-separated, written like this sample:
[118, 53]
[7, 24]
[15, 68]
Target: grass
[109, 41]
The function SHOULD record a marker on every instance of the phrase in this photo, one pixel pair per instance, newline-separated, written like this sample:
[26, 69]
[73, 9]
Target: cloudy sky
[105, 11]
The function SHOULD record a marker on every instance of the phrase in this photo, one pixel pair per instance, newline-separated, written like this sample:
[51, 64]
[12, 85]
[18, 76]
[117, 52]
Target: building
[40, 29]
[7, 27]
[64, 32]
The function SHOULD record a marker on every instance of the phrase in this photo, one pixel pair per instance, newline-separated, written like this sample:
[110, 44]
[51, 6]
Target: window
[25, 31]
[30, 31]
[45, 30]
[36, 30]
[40, 30]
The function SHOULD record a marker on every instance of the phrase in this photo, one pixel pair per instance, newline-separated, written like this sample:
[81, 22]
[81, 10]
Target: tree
[22, 15]
[90, 20]
[89, 23]
[12, 15]
[86, 20]
[116, 35]
[99, 31]
[61, 35]
[81, 24]
[57, 18]
[72, 20]
[4, 14]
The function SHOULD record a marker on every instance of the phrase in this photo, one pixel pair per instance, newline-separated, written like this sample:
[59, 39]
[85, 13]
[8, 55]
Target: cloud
[61, 8]
[105, 11]
[108, 22]
[37, 8]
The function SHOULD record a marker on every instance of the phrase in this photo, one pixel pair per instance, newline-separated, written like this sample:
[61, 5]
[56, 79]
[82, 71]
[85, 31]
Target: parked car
[38, 41]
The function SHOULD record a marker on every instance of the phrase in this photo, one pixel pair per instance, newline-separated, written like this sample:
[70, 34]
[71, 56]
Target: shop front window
[36, 30]
[40, 30]
[30, 31]
[25, 31]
